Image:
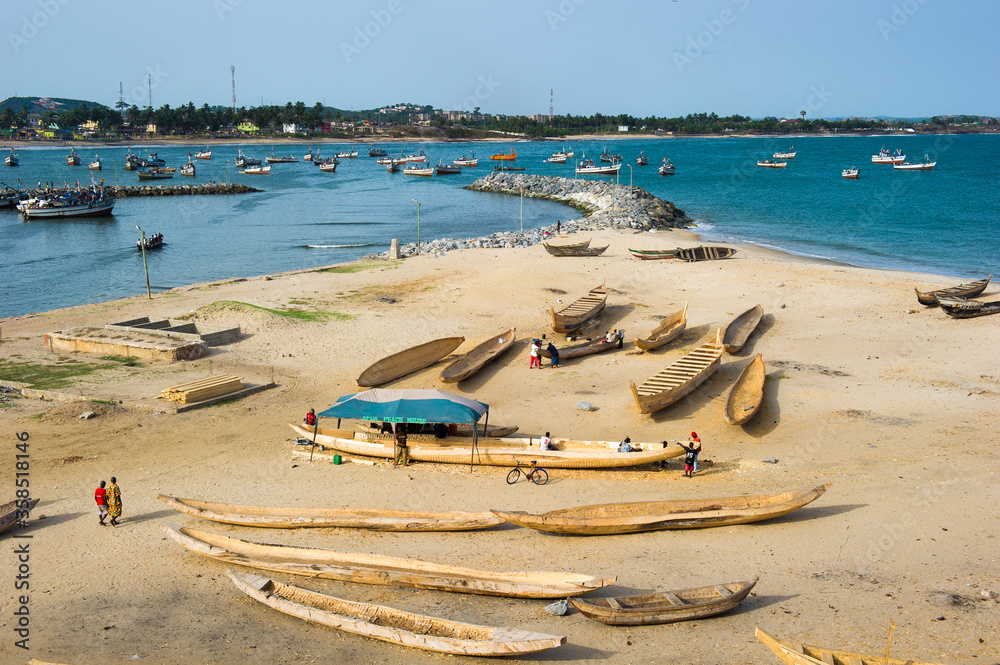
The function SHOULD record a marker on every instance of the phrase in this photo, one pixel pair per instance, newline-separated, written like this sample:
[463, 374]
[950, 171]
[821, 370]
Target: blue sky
[757, 58]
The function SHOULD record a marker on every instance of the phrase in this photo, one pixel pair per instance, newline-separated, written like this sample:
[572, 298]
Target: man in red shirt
[100, 495]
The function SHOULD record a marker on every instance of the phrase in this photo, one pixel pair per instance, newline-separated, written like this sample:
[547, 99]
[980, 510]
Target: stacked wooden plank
[207, 388]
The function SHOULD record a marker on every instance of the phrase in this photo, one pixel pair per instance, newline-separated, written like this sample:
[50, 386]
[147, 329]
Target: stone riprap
[123, 192]
[603, 206]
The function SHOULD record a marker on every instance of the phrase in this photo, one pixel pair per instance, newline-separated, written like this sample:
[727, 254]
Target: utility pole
[142, 244]
[232, 70]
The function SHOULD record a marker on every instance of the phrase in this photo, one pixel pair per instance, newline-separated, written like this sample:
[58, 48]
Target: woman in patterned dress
[114, 498]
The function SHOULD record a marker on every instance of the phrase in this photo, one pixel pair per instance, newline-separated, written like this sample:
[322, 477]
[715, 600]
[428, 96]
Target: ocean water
[939, 221]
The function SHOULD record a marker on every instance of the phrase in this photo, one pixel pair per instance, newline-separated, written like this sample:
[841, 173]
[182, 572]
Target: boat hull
[475, 359]
[746, 394]
[792, 653]
[679, 378]
[970, 290]
[670, 607]
[669, 329]
[575, 315]
[98, 210]
[408, 361]
[740, 329]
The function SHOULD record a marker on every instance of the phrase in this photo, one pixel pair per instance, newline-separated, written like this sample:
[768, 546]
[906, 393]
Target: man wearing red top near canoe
[101, 496]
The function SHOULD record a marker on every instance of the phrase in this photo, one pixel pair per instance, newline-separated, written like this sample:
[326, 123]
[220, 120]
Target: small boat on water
[154, 173]
[665, 606]
[72, 159]
[746, 394]
[740, 328]
[670, 328]
[391, 625]
[885, 157]
[642, 160]
[376, 152]
[14, 511]
[244, 161]
[205, 154]
[279, 159]
[505, 156]
[418, 158]
[793, 653]
[557, 159]
[419, 170]
[95, 165]
[710, 253]
[348, 154]
[850, 173]
[970, 290]
[959, 308]
[466, 161]
[152, 160]
[393, 167]
[679, 378]
[609, 157]
[12, 159]
[408, 361]
[308, 157]
[150, 242]
[579, 312]
[96, 202]
[926, 165]
[189, 168]
[257, 170]
[588, 167]
[346, 518]
[588, 348]
[617, 518]
[475, 359]
[667, 167]
[329, 166]
[379, 569]
[790, 154]
[568, 250]
[768, 164]
[10, 197]
[508, 167]
[447, 169]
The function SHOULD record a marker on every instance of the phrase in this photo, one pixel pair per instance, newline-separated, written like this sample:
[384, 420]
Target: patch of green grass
[37, 416]
[127, 361]
[47, 377]
[291, 313]
[103, 401]
[228, 402]
[359, 267]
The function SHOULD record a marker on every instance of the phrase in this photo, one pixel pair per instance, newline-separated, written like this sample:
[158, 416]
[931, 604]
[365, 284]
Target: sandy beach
[892, 403]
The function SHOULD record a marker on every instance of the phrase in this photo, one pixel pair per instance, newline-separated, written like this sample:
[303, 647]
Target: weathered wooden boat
[492, 431]
[391, 625]
[614, 518]
[447, 169]
[642, 160]
[14, 511]
[562, 250]
[679, 378]
[381, 569]
[408, 361]
[575, 245]
[581, 311]
[348, 518]
[746, 394]
[588, 348]
[73, 158]
[705, 253]
[970, 290]
[417, 170]
[204, 154]
[375, 152]
[506, 451]
[739, 329]
[654, 254]
[665, 606]
[793, 653]
[154, 173]
[966, 309]
[670, 328]
[475, 359]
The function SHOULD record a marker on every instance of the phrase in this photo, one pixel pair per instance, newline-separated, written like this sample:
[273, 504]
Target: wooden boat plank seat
[613, 602]
[673, 598]
[723, 591]
[827, 658]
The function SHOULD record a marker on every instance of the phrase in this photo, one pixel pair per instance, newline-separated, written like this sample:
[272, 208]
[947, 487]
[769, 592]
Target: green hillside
[41, 105]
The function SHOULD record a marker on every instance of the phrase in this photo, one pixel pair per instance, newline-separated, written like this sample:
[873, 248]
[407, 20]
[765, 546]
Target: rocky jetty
[602, 204]
[180, 190]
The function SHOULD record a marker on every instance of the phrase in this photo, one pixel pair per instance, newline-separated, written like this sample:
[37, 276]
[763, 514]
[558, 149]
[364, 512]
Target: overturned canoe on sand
[408, 361]
[489, 452]
[380, 569]
[665, 606]
[746, 394]
[358, 518]
[669, 329]
[615, 518]
[967, 309]
[392, 625]
[679, 378]
[739, 329]
[581, 311]
[474, 360]
[793, 653]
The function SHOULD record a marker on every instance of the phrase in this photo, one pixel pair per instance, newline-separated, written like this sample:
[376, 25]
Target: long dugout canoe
[474, 360]
[580, 311]
[665, 606]
[408, 361]
[679, 378]
[381, 569]
[739, 329]
[670, 328]
[494, 452]
[359, 518]
[793, 653]
[615, 518]
[391, 625]
[746, 394]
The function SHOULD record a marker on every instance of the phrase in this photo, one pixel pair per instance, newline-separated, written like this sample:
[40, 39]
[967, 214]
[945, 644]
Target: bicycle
[535, 474]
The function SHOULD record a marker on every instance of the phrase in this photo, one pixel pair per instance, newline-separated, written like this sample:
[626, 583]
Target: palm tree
[803, 114]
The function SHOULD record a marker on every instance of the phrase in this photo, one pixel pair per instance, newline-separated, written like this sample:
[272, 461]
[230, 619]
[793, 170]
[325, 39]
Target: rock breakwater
[603, 206]
[123, 192]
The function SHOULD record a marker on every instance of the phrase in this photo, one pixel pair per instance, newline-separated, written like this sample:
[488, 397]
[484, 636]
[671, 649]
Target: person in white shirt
[535, 356]
[546, 443]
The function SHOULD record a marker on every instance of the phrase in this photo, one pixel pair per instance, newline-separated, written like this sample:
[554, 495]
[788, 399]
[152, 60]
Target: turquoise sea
[945, 221]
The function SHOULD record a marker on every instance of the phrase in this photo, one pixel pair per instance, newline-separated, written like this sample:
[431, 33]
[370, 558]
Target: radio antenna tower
[149, 87]
[232, 70]
[551, 106]
[121, 101]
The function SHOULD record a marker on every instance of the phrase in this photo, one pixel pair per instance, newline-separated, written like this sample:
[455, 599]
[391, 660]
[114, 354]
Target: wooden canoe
[651, 254]
[793, 653]
[573, 316]
[489, 452]
[474, 360]
[614, 518]
[10, 513]
[360, 518]
[562, 250]
[739, 329]
[705, 253]
[680, 378]
[669, 329]
[574, 245]
[381, 569]
[746, 394]
[408, 361]
[665, 606]
[391, 625]
[590, 347]
[968, 309]
[970, 290]
[495, 431]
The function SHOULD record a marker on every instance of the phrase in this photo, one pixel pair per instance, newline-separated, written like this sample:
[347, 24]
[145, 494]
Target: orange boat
[505, 156]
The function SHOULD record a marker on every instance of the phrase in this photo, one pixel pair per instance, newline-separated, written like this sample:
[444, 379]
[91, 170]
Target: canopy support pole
[315, 430]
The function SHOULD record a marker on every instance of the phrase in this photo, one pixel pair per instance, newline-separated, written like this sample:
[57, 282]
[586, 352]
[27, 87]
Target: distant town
[45, 118]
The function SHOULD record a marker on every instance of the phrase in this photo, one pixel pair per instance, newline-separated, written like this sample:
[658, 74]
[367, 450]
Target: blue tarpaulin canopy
[407, 406]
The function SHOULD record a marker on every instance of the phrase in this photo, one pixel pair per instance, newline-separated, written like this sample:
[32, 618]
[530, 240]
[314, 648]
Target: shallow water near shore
[935, 221]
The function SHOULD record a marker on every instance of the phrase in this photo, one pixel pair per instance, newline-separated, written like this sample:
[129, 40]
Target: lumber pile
[207, 388]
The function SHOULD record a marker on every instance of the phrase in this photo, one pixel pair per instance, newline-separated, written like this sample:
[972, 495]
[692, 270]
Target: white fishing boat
[642, 160]
[244, 161]
[926, 165]
[467, 161]
[12, 159]
[308, 157]
[557, 158]
[188, 169]
[768, 164]
[279, 159]
[885, 157]
[84, 203]
[850, 174]
[350, 154]
[588, 167]
[257, 170]
[329, 166]
[419, 157]
[204, 154]
[418, 170]
[785, 155]
[96, 164]
[667, 167]
[72, 159]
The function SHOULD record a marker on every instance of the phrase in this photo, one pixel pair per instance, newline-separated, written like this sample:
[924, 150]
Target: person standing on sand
[690, 455]
[695, 441]
[554, 353]
[100, 495]
[535, 360]
[114, 496]
[558, 227]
